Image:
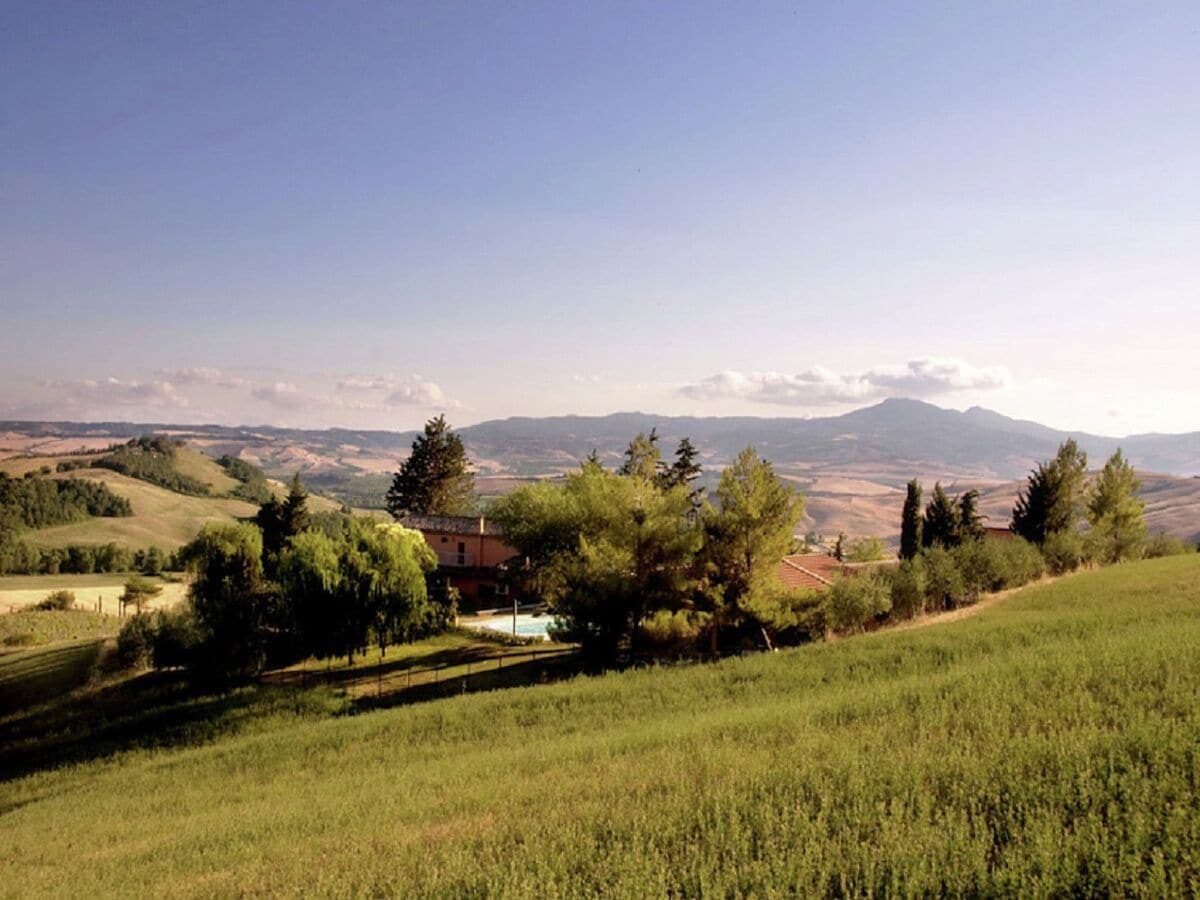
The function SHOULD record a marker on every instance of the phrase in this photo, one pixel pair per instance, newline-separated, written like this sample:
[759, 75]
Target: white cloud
[818, 386]
[283, 394]
[586, 379]
[108, 392]
[408, 390]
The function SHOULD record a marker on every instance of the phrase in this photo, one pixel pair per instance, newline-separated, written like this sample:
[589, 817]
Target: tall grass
[1049, 745]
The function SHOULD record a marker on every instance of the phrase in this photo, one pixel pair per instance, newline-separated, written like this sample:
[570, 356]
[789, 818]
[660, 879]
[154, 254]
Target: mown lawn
[1049, 745]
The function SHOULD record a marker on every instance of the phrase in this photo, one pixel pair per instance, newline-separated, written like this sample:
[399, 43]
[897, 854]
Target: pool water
[528, 625]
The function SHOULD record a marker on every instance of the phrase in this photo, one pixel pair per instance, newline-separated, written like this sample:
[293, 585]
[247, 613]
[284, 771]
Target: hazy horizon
[360, 215]
[466, 423]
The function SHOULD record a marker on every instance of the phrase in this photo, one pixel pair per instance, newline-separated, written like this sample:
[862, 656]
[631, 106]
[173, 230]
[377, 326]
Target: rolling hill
[1045, 746]
[161, 517]
[852, 467]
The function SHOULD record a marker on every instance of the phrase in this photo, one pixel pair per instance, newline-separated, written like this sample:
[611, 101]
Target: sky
[361, 214]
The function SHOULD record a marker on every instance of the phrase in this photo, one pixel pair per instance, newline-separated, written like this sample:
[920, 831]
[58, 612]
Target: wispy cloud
[819, 386]
[203, 375]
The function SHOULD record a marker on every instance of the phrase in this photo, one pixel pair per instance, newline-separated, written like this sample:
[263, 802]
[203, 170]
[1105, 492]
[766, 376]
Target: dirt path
[964, 612]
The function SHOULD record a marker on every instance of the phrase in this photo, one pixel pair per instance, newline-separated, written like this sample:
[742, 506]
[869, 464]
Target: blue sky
[356, 214]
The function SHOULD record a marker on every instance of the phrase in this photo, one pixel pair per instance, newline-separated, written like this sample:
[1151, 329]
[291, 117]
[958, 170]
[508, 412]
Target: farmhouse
[472, 556]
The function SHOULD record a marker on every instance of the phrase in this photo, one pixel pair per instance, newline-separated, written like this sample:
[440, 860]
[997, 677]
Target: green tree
[942, 525]
[970, 522]
[138, 591]
[605, 550]
[643, 458]
[339, 593]
[1052, 499]
[229, 598]
[436, 478]
[747, 533]
[685, 469]
[295, 517]
[1116, 512]
[911, 523]
[280, 521]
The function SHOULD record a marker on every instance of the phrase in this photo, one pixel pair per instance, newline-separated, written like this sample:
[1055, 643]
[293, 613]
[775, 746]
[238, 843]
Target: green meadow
[1048, 745]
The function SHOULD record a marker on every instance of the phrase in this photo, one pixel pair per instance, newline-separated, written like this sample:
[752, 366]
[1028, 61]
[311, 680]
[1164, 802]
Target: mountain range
[851, 468]
[895, 434]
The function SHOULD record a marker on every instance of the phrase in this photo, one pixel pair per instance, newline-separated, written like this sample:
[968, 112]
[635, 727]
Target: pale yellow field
[99, 593]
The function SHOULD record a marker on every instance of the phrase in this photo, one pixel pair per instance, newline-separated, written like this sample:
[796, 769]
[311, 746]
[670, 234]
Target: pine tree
[685, 469]
[748, 532]
[436, 478]
[1115, 511]
[911, 523]
[295, 515]
[941, 526]
[1053, 496]
[970, 522]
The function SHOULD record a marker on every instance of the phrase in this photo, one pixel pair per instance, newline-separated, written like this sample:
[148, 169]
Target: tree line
[291, 585]
[152, 459]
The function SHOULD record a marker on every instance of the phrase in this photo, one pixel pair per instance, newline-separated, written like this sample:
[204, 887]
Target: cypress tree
[911, 524]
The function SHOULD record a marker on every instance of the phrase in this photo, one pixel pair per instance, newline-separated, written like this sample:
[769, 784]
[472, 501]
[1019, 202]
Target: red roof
[811, 571]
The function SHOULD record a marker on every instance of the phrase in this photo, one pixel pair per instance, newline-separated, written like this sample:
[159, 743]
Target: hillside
[1046, 746]
[161, 517]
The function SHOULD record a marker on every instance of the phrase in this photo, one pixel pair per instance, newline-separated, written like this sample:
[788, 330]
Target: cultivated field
[1049, 745]
[95, 593]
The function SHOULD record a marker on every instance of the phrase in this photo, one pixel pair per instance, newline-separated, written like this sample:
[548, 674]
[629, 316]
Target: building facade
[472, 557]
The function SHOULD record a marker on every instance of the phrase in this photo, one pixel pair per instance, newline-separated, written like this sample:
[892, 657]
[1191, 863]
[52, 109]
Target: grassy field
[18, 592]
[1048, 745]
[34, 627]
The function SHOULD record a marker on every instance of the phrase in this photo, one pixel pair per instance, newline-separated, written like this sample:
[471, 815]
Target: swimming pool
[528, 625]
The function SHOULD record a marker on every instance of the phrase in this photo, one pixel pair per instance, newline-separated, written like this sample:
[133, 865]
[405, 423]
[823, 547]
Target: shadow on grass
[159, 710]
[156, 709]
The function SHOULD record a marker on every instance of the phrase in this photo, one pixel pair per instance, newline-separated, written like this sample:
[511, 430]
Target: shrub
[1023, 562]
[981, 566]
[673, 633]
[1162, 544]
[853, 601]
[57, 600]
[175, 637]
[135, 642]
[866, 549]
[944, 587]
[908, 588]
[1065, 551]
